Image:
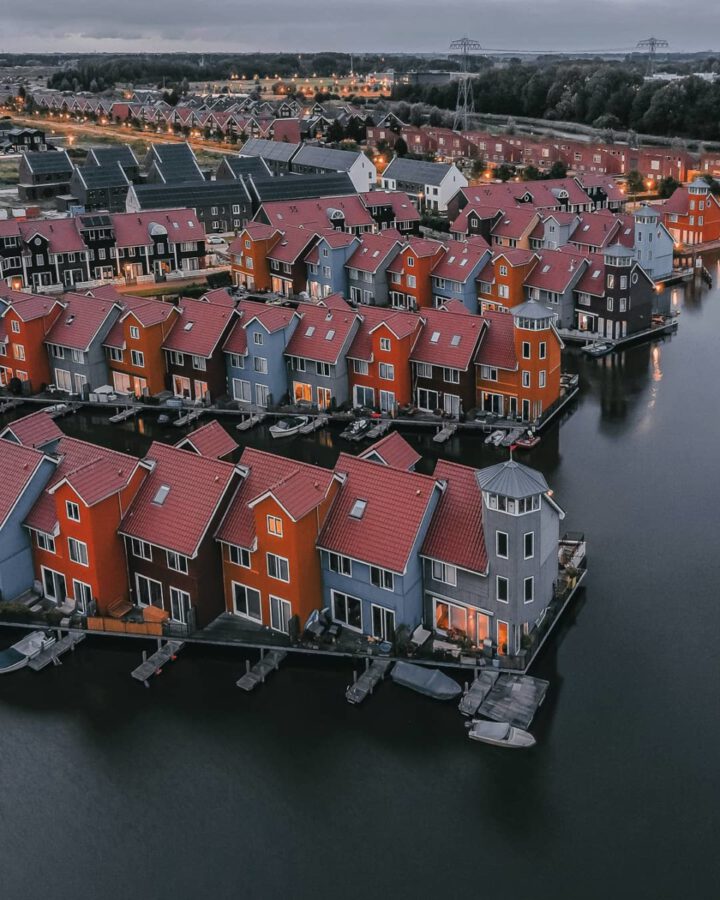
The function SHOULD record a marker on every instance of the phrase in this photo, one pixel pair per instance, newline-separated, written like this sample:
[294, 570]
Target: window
[275, 526]
[78, 551]
[384, 343]
[134, 332]
[258, 337]
[83, 595]
[501, 544]
[529, 544]
[78, 356]
[387, 372]
[149, 591]
[141, 549]
[246, 602]
[239, 556]
[358, 509]
[280, 614]
[543, 378]
[177, 563]
[503, 271]
[382, 578]
[45, 541]
[72, 510]
[451, 376]
[488, 373]
[260, 365]
[503, 589]
[15, 326]
[340, 564]
[57, 352]
[411, 261]
[610, 304]
[526, 379]
[411, 282]
[529, 590]
[199, 363]
[116, 354]
[277, 567]
[526, 350]
[19, 351]
[360, 367]
[443, 572]
[423, 370]
[543, 350]
[347, 610]
[323, 368]
[623, 304]
[177, 359]
[137, 358]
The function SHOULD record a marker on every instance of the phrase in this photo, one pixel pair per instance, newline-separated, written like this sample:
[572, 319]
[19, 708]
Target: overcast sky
[371, 25]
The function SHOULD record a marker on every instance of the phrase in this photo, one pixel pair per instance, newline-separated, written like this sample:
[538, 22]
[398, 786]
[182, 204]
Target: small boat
[163, 419]
[527, 442]
[18, 656]
[431, 682]
[495, 437]
[500, 734]
[598, 348]
[56, 409]
[287, 427]
[357, 430]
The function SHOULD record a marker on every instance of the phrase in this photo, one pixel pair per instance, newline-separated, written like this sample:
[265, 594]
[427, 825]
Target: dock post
[367, 664]
[247, 666]
[354, 675]
[144, 655]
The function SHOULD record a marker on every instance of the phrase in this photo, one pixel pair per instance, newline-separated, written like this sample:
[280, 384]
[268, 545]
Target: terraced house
[25, 322]
[367, 268]
[326, 272]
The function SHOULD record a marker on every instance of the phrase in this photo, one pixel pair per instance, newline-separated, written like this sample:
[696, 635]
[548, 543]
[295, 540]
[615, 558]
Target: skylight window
[188, 326]
[455, 340]
[330, 335]
[161, 494]
[358, 509]
[546, 269]
[596, 273]
[434, 337]
[463, 262]
[310, 331]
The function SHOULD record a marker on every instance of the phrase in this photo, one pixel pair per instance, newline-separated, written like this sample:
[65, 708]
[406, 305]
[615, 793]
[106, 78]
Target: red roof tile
[394, 451]
[35, 430]
[403, 207]
[210, 440]
[498, 345]
[272, 318]
[62, 234]
[556, 269]
[473, 210]
[322, 333]
[133, 229]
[514, 222]
[456, 532]
[292, 244]
[374, 249]
[448, 339]
[316, 213]
[460, 259]
[80, 321]
[221, 296]
[18, 465]
[298, 487]
[199, 327]
[29, 306]
[400, 323]
[196, 485]
[593, 279]
[396, 503]
[597, 229]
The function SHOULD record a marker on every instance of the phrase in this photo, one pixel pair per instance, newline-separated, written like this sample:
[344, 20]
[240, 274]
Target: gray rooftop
[175, 162]
[531, 309]
[277, 151]
[416, 170]
[246, 165]
[512, 479]
[301, 187]
[104, 156]
[326, 158]
[191, 194]
[99, 177]
[48, 162]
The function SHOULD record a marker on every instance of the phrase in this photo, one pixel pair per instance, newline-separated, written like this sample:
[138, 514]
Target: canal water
[193, 789]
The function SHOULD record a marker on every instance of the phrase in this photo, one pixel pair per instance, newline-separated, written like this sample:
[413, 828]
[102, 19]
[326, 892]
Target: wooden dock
[382, 427]
[7, 405]
[123, 416]
[152, 665]
[363, 686]
[268, 662]
[56, 650]
[315, 424]
[189, 417]
[514, 699]
[445, 433]
[252, 420]
[477, 692]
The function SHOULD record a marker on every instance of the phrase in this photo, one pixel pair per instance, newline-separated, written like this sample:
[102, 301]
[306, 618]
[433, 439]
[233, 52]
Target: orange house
[271, 568]
[27, 321]
[249, 264]
[134, 346]
[409, 274]
[379, 358]
[692, 214]
[501, 284]
[79, 556]
[518, 362]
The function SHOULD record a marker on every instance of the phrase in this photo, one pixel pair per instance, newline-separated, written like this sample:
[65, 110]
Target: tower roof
[512, 479]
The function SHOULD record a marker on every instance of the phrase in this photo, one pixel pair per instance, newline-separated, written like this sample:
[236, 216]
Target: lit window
[275, 526]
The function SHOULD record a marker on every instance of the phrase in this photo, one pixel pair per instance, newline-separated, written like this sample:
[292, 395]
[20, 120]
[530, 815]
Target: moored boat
[431, 682]
[500, 734]
[526, 442]
[495, 437]
[18, 656]
[357, 430]
[598, 348]
[288, 426]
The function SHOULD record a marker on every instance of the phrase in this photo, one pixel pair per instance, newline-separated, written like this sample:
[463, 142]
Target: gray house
[491, 555]
[431, 185]
[653, 243]
[75, 343]
[24, 472]
[316, 354]
[256, 370]
[367, 280]
[276, 154]
[553, 280]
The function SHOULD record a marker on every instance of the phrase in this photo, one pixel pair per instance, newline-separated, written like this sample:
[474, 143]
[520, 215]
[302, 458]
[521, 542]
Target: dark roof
[326, 158]
[246, 165]
[49, 162]
[277, 151]
[170, 196]
[105, 156]
[175, 162]
[416, 170]
[299, 187]
[99, 177]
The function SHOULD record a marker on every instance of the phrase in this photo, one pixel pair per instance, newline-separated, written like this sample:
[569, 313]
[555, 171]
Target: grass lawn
[9, 171]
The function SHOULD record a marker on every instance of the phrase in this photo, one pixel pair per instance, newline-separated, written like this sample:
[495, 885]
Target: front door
[383, 623]
[526, 410]
[262, 395]
[502, 638]
[323, 398]
[451, 404]
[54, 586]
[179, 605]
[280, 613]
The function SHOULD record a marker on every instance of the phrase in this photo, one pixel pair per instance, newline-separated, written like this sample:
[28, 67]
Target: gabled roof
[45, 162]
[498, 345]
[18, 466]
[209, 440]
[389, 506]
[220, 296]
[474, 210]
[374, 250]
[456, 533]
[28, 306]
[79, 323]
[62, 235]
[394, 451]
[275, 151]
[293, 243]
[403, 208]
[199, 327]
[556, 270]
[322, 333]
[326, 158]
[514, 222]
[93, 472]
[136, 229]
[596, 229]
[36, 430]
[177, 518]
[401, 324]
[448, 339]
[317, 213]
[461, 259]
[298, 487]
[417, 171]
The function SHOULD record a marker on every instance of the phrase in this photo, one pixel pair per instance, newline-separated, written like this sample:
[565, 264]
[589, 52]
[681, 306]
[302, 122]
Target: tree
[505, 172]
[335, 132]
[714, 185]
[667, 187]
[557, 170]
[531, 173]
[635, 183]
[401, 147]
[477, 167]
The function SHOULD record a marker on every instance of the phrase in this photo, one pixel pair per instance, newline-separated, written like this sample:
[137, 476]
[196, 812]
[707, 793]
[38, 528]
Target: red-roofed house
[410, 273]
[501, 284]
[394, 451]
[158, 242]
[378, 360]
[27, 320]
[370, 546]
[268, 535]
[194, 350]
[173, 561]
[443, 361]
[38, 430]
[692, 214]
[249, 262]
[210, 440]
[346, 213]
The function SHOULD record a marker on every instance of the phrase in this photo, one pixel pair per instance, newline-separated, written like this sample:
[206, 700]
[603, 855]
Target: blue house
[370, 546]
[256, 369]
[326, 264]
[24, 472]
[454, 276]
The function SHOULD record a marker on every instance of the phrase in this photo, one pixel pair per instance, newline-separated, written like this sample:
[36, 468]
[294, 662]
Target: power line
[651, 44]
[465, 101]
